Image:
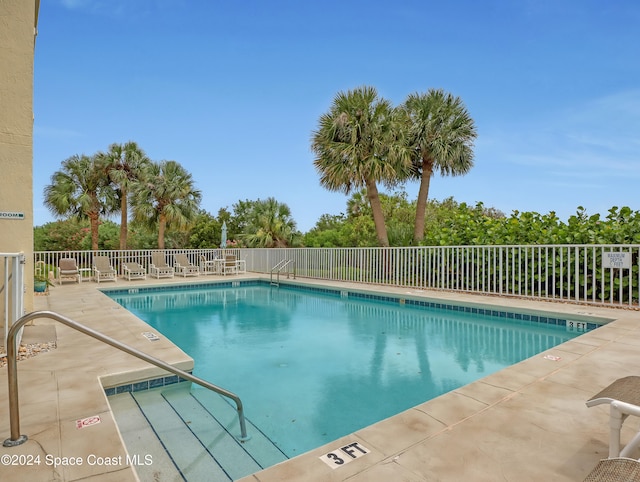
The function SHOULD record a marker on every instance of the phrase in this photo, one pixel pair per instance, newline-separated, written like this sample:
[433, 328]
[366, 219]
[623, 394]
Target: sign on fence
[613, 259]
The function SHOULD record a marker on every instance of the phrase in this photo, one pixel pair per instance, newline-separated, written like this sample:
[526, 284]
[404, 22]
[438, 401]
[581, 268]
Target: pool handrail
[12, 371]
[279, 267]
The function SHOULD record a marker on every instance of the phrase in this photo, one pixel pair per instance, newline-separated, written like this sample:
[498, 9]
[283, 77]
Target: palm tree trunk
[123, 218]
[378, 215]
[421, 204]
[93, 219]
[162, 223]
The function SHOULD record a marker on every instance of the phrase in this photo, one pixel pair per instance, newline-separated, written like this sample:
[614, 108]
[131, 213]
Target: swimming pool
[312, 365]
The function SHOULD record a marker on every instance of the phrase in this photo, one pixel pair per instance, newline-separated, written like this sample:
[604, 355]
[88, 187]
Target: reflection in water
[312, 367]
[463, 348]
[168, 310]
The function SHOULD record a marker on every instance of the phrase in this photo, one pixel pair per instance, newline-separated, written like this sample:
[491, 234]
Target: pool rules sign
[613, 259]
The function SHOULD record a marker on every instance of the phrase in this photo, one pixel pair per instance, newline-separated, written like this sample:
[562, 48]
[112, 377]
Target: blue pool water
[313, 366]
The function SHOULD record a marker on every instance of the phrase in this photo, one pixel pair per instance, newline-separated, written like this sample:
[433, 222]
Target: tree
[358, 204]
[205, 232]
[270, 225]
[73, 235]
[237, 223]
[401, 213]
[122, 163]
[63, 235]
[164, 195]
[356, 145]
[440, 134]
[80, 190]
[326, 233]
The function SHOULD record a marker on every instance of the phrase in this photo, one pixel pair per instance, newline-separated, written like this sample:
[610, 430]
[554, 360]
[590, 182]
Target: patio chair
[209, 266]
[241, 266]
[185, 267]
[623, 398]
[230, 265]
[159, 267]
[616, 469]
[68, 270]
[133, 270]
[102, 269]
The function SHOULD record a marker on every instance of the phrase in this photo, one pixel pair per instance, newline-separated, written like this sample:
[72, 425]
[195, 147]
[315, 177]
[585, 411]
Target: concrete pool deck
[526, 422]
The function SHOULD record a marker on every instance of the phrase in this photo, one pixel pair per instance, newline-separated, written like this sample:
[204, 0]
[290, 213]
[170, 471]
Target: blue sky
[233, 90]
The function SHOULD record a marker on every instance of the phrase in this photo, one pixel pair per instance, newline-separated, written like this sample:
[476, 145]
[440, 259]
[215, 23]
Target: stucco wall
[17, 43]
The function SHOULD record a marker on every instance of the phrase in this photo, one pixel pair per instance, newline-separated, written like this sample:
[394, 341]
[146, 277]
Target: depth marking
[344, 455]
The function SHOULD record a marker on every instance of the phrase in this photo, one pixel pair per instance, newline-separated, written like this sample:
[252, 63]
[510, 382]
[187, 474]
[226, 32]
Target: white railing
[12, 291]
[84, 259]
[599, 274]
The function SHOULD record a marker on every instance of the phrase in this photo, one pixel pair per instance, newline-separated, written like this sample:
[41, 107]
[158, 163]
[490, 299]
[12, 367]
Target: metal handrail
[12, 371]
[281, 265]
[12, 287]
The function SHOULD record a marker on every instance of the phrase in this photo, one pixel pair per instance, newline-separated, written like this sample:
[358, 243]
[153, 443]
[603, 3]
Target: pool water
[311, 367]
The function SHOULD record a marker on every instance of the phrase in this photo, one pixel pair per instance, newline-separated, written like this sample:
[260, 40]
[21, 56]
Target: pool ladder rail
[12, 371]
[279, 268]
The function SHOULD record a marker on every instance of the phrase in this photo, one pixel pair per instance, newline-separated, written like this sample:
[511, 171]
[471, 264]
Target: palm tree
[358, 204]
[122, 163]
[165, 195]
[270, 225]
[440, 133]
[80, 190]
[356, 146]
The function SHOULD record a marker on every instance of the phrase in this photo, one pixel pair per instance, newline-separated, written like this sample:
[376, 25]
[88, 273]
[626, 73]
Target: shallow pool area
[312, 365]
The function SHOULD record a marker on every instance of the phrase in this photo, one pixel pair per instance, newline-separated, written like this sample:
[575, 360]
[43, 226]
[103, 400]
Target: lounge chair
[159, 267]
[185, 267]
[102, 269]
[616, 469]
[68, 270]
[623, 398]
[134, 270]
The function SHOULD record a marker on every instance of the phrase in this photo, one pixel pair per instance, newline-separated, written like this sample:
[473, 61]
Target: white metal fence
[84, 259]
[600, 274]
[12, 291]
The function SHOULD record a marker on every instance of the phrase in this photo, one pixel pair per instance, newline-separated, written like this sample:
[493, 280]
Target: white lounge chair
[102, 269]
[159, 267]
[623, 398]
[185, 267]
[68, 270]
[133, 270]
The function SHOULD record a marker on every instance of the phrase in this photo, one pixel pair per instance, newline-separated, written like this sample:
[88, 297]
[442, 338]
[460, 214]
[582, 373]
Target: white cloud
[598, 137]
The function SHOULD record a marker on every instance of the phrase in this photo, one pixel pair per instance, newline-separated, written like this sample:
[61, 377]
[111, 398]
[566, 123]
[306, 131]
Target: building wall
[18, 21]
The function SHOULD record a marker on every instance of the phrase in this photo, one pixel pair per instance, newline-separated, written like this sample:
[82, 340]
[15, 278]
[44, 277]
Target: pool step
[198, 445]
[141, 441]
[185, 449]
[261, 449]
